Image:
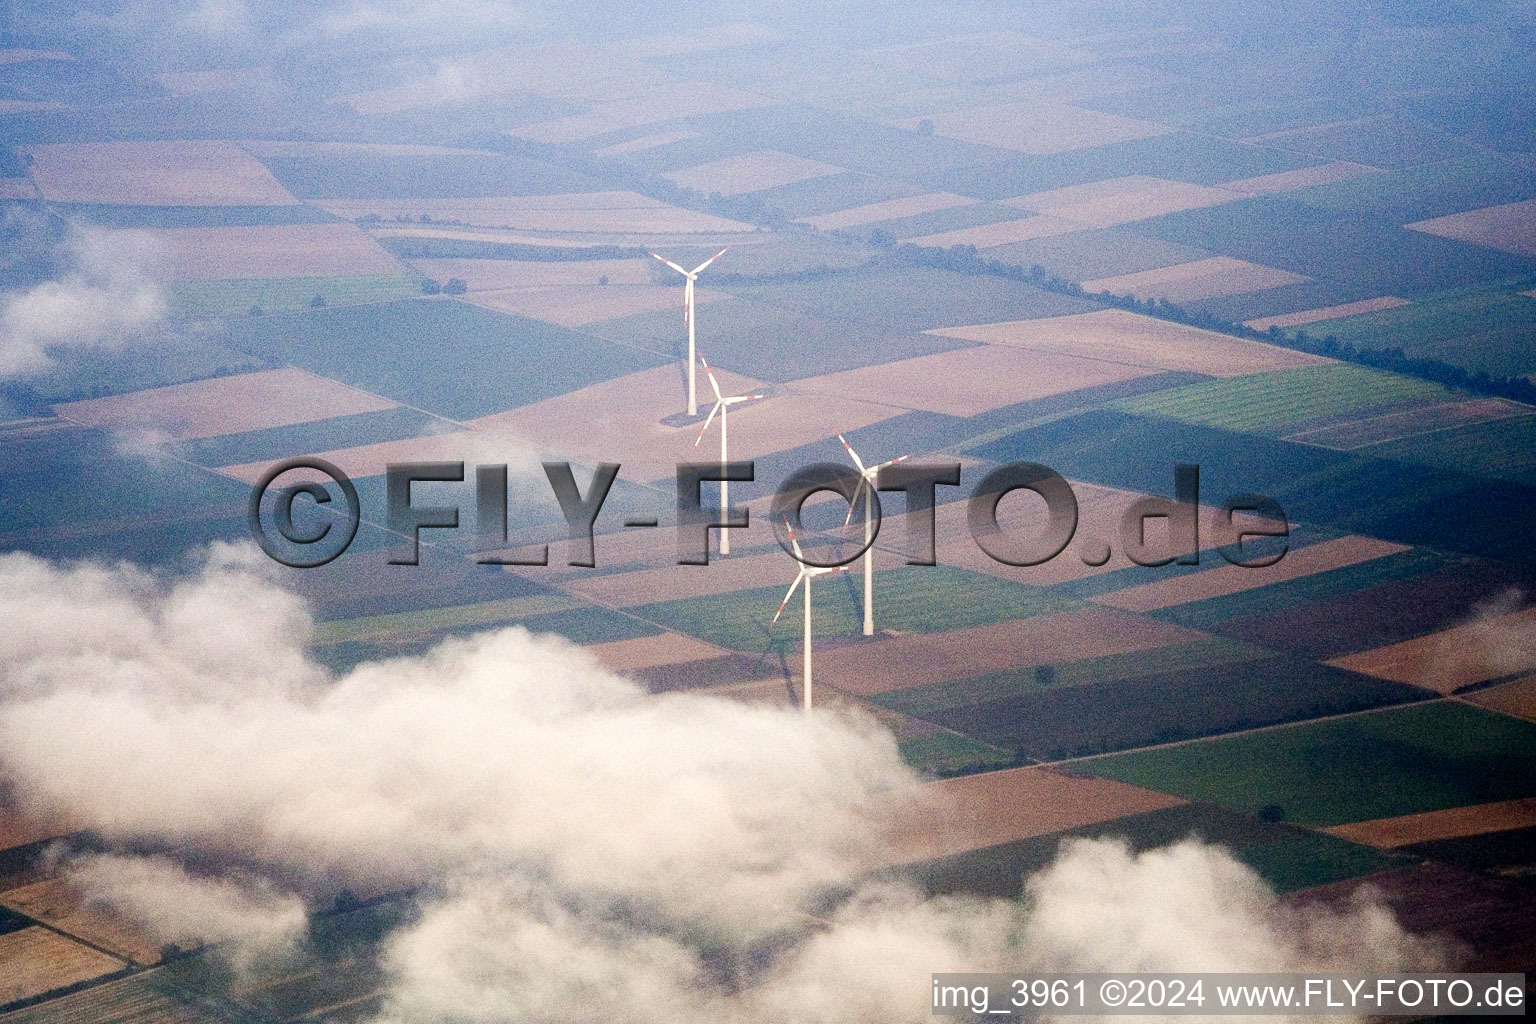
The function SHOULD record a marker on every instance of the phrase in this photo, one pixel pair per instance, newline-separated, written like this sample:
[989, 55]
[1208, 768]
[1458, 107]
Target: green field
[1405, 760]
[916, 299]
[1180, 156]
[484, 613]
[1368, 252]
[1049, 722]
[773, 342]
[1286, 857]
[325, 435]
[1101, 252]
[912, 599]
[450, 176]
[935, 221]
[1504, 449]
[1430, 190]
[831, 193]
[234, 296]
[446, 357]
[931, 699]
[947, 754]
[1270, 402]
[1486, 329]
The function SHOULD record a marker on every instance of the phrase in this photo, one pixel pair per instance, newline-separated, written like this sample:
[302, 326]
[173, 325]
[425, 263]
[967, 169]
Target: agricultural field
[1131, 339]
[202, 173]
[204, 299]
[1276, 400]
[581, 213]
[1209, 278]
[1401, 760]
[918, 599]
[1286, 857]
[1106, 241]
[969, 381]
[379, 348]
[299, 250]
[385, 176]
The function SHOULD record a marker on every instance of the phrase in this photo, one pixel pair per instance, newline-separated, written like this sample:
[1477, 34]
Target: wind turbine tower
[691, 276]
[722, 406]
[807, 573]
[866, 487]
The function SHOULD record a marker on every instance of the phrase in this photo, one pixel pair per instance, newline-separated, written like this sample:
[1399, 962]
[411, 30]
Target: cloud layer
[105, 297]
[580, 850]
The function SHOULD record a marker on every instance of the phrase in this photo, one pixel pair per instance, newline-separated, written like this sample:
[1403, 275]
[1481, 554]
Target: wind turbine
[692, 276]
[867, 483]
[807, 573]
[722, 406]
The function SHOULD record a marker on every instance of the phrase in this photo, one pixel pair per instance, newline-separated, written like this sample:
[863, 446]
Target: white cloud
[105, 299]
[581, 850]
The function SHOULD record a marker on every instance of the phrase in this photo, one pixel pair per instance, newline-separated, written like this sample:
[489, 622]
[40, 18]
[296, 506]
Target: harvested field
[187, 173]
[17, 188]
[1431, 826]
[968, 381]
[1394, 426]
[1302, 177]
[653, 652]
[491, 275]
[751, 172]
[1517, 698]
[577, 212]
[1232, 579]
[1003, 232]
[890, 209]
[1078, 195]
[898, 662]
[54, 903]
[35, 960]
[1038, 128]
[646, 142]
[585, 425]
[292, 250]
[1202, 279]
[225, 405]
[1117, 336]
[652, 104]
[1122, 200]
[1455, 657]
[1100, 510]
[1511, 227]
[956, 815]
[579, 305]
[131, 999]
[17, 830]
[679, 583]
[1312, 316]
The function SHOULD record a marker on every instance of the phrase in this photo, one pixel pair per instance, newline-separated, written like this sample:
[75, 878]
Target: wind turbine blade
[669, 263]
[742, 398]
[707, 421]
[782, 604]
[794, 542]
[712, 259]
[853, 501]
[851, 453]
[711, 375]
[891, 462]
